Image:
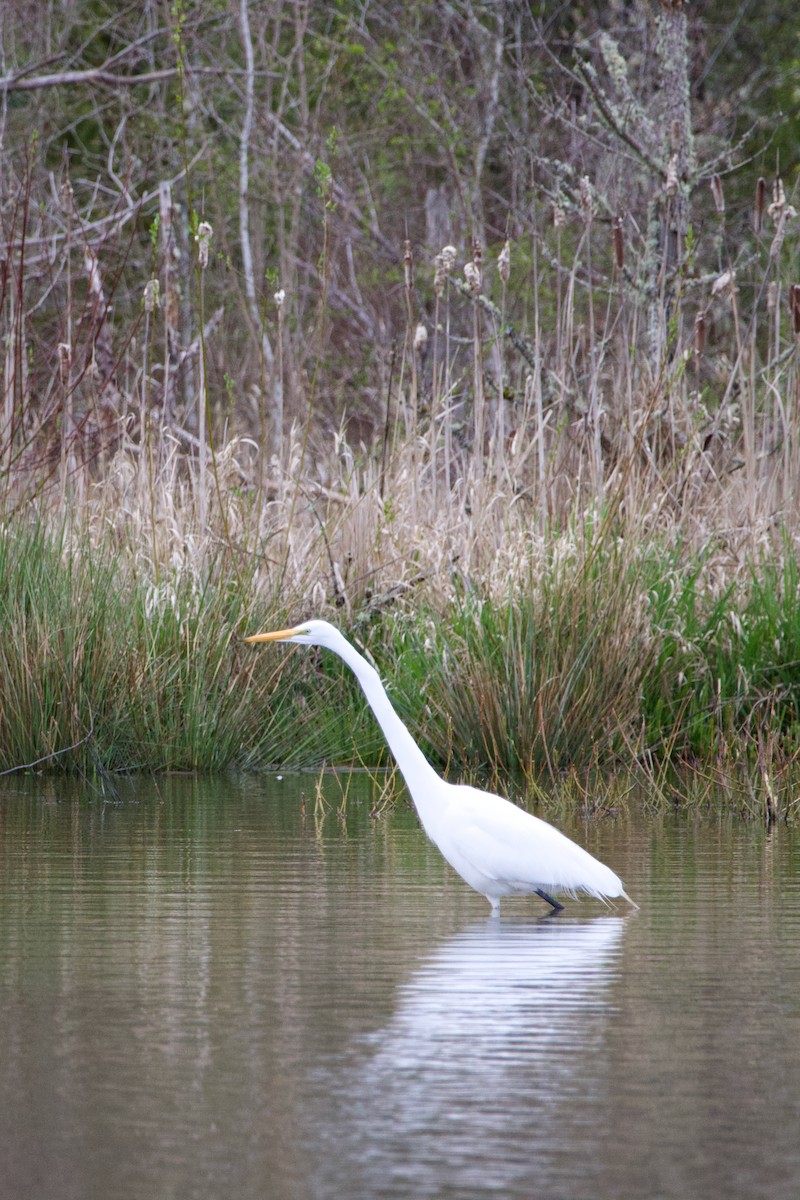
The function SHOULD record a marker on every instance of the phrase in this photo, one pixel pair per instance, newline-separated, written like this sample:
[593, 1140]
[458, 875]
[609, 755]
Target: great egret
[496, 847]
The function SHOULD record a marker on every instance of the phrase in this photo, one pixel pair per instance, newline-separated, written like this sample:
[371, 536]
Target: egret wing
[514, 849]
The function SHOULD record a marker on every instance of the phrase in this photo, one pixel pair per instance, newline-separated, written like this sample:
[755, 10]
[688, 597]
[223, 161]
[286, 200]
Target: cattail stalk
[473, 276]
[438, 286]
[504, 272]
[793, 432]
[408, 274]
[594, 414]
[151, 301]
[559, 220]
[65, 349]
[203, 240]
[445, 265]
[279, 298]
[171, 305]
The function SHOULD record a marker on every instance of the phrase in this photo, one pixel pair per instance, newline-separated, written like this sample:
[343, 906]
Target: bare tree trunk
[670, 208]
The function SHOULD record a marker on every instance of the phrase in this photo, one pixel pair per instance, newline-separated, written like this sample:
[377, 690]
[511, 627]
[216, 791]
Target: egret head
[310, 633]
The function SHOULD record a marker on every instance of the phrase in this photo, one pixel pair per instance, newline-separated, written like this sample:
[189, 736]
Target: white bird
[496, 847]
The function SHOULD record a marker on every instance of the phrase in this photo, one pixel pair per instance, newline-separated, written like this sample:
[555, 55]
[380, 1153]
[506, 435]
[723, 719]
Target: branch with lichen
[520, 343]
[607, 110]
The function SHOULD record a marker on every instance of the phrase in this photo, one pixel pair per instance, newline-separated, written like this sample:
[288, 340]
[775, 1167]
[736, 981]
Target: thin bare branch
[37, 762]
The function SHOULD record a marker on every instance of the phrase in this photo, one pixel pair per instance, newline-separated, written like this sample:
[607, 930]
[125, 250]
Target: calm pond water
[207, 992]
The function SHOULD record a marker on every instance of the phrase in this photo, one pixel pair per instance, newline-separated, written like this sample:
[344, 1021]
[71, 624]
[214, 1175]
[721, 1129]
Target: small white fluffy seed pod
[778, 199]
[279, 298]
[67, 197]
[203, 238]
[587, 201]
[439, 275]
[787, 213]
[721, 282]
[448, 256]
[671, 185]
[420, 338]
[64, 360]
[473, 277]
[504, 262]
[152, 295]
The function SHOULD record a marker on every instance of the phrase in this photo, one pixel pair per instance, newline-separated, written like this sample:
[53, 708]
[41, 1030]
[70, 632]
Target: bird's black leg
[556, 906]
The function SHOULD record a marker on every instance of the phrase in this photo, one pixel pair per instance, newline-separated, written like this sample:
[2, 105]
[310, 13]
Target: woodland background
[335, 149]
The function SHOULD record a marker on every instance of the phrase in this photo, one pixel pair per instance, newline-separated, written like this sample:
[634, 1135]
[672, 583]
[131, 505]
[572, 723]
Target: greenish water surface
[209, 990]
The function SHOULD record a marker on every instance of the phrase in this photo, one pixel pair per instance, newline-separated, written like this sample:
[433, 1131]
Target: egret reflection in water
[488, 1043]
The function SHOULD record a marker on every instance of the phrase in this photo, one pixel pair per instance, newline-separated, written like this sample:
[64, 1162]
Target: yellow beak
[276, 636]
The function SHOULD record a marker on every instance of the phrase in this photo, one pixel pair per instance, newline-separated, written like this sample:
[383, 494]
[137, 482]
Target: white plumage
[496, 847]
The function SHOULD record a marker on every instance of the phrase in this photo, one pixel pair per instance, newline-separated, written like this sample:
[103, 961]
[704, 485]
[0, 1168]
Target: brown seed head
[619, 244]
[794, 307]
[760, 203]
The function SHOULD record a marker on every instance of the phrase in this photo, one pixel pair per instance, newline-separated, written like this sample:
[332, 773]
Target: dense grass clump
[727, 677]
[602, 655]
[102, 669]
[610, 660]
[549, 678]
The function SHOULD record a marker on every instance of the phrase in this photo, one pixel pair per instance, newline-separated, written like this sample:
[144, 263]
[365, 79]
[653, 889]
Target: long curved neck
[413, 764]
